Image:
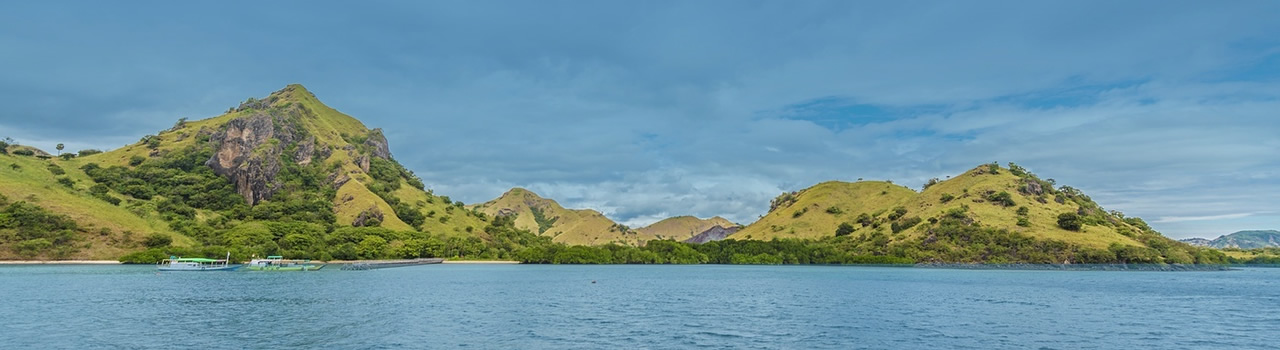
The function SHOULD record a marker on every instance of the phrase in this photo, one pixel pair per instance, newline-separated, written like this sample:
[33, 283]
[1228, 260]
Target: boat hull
[285, 268]
[200, 269]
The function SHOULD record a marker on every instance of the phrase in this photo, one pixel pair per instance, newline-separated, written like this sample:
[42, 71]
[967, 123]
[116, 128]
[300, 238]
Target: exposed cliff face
[246, 155]
[378, 144]
[713, 234]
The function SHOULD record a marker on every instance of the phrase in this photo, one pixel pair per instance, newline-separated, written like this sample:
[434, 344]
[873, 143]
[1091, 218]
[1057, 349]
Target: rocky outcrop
[713, 234]
[378, 144]
[305, 151]
[245, 154]
[368, 217]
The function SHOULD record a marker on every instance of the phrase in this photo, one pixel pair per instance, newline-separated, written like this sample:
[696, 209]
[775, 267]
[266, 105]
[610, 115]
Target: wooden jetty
[382, 264]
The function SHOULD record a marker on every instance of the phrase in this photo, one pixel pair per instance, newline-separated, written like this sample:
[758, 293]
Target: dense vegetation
[31, 231]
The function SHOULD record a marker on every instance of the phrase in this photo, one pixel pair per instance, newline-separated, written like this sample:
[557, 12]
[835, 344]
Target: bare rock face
[378, 144]
[1033, 188]
[305, 151]
[244, 156]
[715, 233]
[363, 162]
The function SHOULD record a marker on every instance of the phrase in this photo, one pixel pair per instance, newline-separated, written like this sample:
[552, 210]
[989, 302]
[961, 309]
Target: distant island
[288, 175]
[1243, 239]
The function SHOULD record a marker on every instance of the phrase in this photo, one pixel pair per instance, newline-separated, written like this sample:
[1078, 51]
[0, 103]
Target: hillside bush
[1069, 221]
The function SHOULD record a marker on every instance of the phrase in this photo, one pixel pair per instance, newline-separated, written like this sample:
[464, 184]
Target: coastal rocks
[246, 155]
[1032, 187]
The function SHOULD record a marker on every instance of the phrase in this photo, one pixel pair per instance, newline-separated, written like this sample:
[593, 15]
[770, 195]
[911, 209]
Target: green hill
[279, 174]
[987, 214]
[547, 218]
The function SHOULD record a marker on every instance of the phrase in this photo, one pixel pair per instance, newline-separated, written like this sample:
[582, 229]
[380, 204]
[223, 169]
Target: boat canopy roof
[197, 259]
[275, 257]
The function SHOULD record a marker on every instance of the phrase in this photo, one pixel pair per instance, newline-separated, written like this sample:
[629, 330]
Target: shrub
[157, 240]
[993, 168]
[24, 152]
[67, 156]
[1001, 198]
[88, 152]
[933, 181]
[56, 170]
[135, 160]
[800, 212]
[946, 197]
[1023, 211]
[1069, 221]
[865, 220]
[834, 210]
[898, 212]
[66, 181]
[905, 223]
[844, 230]
[1024, 222]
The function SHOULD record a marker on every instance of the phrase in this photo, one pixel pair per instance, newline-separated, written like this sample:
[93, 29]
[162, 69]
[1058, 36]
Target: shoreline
[509, 262]
[59, 262]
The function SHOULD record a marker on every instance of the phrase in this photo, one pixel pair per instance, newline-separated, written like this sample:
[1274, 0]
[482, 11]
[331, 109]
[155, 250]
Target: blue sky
[1166, 110]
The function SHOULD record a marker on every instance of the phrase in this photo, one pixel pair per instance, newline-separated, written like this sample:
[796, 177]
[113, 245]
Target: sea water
[626, 307]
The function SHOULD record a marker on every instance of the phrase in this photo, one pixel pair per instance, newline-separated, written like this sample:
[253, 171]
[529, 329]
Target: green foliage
[135, 160]
[1023, 211]
[56, 170]
[844, 230]
[88, 152]
[66, 181]
[542, 220]
[993, 168]
[1024, 222]
[905, 223]
[799, 213]
[1069, 221]
[931, 182]
[946, 197]
[834, 210]
[157, 240]
[897, 212]
[23, 152]
[1001, 198]
[32, 231]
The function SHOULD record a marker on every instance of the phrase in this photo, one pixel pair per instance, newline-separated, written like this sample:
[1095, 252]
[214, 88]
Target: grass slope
[33, 182]
[547, 218]
[680, 228]
[847, 201]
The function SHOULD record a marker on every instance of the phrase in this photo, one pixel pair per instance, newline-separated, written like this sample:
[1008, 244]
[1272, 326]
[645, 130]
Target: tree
[60, 147]
[844, 230]
[1069, 221]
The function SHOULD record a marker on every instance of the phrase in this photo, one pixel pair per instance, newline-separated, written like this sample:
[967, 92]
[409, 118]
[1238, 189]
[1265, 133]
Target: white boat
[196, 264]
[279, 263]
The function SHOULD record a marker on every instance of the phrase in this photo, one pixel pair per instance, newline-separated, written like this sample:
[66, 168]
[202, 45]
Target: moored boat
[195, 264]
[279, 263]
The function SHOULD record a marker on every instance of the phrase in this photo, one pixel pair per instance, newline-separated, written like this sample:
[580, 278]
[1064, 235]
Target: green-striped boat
[279, 263]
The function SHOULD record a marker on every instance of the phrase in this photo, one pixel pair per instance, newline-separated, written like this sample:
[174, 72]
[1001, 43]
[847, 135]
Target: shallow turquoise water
[658, 307]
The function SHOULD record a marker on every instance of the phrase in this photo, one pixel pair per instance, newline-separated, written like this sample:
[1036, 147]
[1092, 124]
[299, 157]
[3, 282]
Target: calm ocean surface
[658, 307]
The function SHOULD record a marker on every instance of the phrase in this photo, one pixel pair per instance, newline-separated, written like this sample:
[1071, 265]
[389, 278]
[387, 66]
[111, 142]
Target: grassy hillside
[681, 228]
[1003, 206]
[218, 182]
[547, 218]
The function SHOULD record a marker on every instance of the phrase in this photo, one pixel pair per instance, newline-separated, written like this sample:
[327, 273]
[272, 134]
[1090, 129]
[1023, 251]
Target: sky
[1166, 110]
